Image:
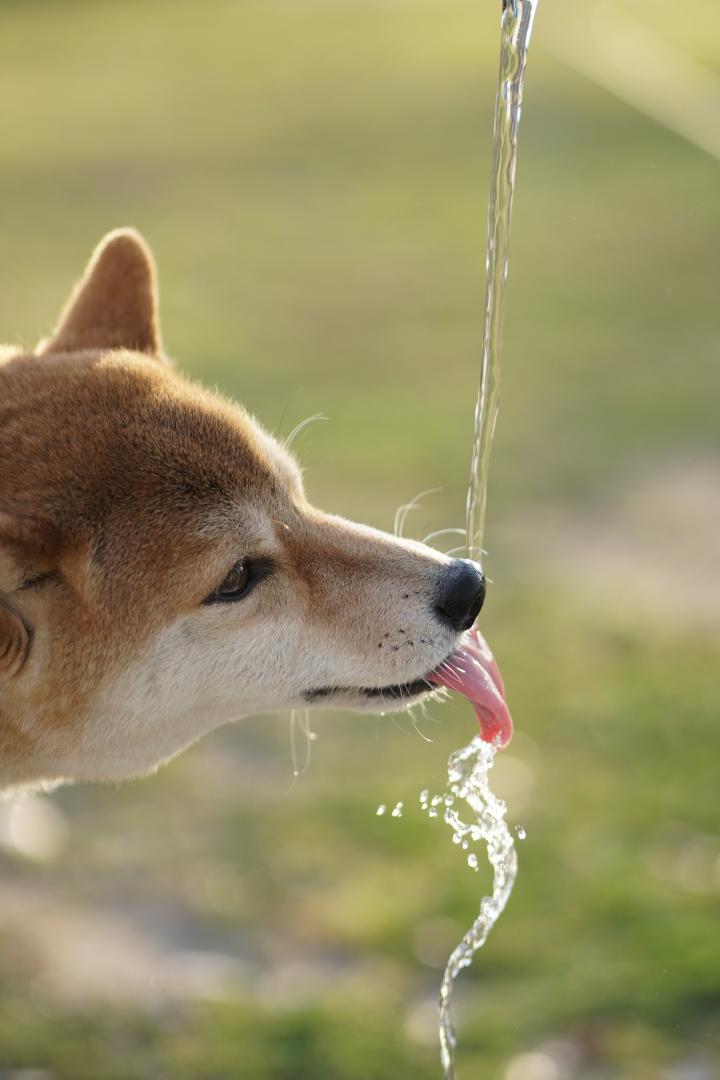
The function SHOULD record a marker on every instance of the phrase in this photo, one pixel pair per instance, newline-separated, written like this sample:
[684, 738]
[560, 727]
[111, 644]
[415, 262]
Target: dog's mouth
[399, 692]
[470, 669]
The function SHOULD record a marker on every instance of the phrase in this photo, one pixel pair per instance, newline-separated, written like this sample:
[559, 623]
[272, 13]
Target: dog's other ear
[15, 640]
[115, 304]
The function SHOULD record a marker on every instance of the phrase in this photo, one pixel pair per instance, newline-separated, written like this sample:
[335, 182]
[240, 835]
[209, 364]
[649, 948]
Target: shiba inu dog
[162, 572]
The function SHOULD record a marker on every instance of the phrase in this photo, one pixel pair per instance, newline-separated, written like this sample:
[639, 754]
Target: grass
[312, 176]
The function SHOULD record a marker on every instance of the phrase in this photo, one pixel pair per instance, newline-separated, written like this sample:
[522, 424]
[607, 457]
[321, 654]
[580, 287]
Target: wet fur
[127, 493]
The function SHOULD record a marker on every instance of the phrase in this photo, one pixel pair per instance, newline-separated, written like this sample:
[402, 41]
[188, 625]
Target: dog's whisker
[463, 548]
[293, 743]
[441, 532]
[426, 713]
[300, 720]
[414, 723]
[403, 511]
[301, 427]
[457, 665]
[452, 668]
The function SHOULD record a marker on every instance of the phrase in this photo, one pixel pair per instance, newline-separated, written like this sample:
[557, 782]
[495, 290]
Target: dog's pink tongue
[473, 672]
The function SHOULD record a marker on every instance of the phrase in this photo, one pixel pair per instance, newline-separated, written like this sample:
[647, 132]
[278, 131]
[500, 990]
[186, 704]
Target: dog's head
[161, 570]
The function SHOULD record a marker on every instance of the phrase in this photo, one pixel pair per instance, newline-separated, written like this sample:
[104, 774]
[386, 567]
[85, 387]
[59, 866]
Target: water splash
[468, 783]
[516, 28]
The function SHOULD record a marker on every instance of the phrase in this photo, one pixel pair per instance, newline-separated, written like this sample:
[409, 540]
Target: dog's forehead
[197, 434]
[121, 436]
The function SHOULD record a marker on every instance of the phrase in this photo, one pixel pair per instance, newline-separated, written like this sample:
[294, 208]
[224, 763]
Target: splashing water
[469, 768]
[468, 782]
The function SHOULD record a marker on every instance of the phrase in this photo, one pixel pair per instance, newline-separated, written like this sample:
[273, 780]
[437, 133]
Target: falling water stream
[468, 794]
[468, 782]
[516, 28]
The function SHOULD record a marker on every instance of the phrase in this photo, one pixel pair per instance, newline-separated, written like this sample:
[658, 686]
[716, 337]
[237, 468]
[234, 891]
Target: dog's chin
[375, 699]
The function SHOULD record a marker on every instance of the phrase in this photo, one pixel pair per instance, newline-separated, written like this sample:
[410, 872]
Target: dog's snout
[461, 594]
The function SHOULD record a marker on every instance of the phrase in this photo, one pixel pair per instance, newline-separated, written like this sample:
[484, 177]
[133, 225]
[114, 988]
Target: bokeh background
[312, 175]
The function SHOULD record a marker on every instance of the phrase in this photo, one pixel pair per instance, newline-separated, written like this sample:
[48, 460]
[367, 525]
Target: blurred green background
[312, 175]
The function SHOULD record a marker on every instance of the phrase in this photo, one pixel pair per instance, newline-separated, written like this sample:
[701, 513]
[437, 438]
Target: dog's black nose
[461, 594]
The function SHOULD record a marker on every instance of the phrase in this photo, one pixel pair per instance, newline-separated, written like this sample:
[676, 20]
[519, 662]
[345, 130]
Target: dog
[162, 572]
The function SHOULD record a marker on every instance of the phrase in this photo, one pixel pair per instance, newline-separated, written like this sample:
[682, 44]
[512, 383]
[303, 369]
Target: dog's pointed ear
[115, 304]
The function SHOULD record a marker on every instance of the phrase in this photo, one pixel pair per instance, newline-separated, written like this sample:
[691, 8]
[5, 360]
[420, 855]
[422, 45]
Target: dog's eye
[236, 585]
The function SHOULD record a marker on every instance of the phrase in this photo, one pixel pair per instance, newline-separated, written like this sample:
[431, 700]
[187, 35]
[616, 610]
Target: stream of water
[516, 28]
[468, 787]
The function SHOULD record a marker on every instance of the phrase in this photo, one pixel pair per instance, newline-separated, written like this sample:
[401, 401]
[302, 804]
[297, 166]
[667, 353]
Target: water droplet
[424, 796]
[520, 832]
[381, 810]
[472, 861]
[397, 812]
